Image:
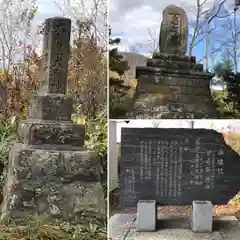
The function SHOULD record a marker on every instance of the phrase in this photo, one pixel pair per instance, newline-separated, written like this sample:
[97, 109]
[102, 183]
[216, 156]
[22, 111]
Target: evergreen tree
[116, 62]
[224, 70]
[117, 89]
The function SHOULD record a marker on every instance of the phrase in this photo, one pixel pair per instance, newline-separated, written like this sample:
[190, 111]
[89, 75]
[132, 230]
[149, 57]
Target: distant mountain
[134, 60]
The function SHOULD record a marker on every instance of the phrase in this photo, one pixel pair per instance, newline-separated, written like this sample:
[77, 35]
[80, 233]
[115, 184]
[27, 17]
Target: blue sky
[133, 20]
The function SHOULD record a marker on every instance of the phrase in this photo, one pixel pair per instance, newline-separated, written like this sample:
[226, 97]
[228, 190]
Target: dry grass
[41, 229]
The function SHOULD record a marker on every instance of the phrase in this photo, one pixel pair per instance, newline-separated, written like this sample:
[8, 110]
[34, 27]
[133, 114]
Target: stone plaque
[177, 166]
[174, 31]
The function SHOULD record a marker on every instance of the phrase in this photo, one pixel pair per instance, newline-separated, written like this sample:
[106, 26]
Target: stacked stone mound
[49, 171]
[173, 86]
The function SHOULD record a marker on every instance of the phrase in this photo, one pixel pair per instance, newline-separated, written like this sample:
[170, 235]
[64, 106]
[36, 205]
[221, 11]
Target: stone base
[57, 184]
[146, 216]
[39, 132]
[173, 111]
[56, 107]
[202, 218]
[171, 80]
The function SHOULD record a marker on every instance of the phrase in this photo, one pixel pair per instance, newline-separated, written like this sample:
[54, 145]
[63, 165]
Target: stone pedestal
[172, 86]
[49, 171]
[146, 215]
[202, 218]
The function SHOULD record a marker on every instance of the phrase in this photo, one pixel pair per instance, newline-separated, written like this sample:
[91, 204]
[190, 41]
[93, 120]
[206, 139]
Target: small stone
[54, 210]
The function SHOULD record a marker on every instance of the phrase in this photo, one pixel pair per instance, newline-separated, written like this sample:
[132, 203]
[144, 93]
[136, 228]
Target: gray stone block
[38, 132]
[58, 184]
[56, 107]
[202, 218]
[146, 215]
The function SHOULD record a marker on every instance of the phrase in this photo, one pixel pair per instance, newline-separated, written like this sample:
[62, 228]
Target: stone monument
[49, 171]
[176, 167]
[173, 85]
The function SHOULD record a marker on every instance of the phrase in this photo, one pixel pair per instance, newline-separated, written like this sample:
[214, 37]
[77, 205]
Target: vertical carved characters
[55, 55]
[175, 166]
[174, 31]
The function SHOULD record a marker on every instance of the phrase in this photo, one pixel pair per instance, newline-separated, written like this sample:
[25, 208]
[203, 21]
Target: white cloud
[136, 17]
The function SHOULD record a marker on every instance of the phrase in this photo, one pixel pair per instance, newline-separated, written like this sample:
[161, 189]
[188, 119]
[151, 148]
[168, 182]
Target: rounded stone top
[174, 31]
[57, 18]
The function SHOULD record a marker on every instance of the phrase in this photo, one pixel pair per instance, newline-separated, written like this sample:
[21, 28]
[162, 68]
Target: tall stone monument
[49, 171]
[173, 85]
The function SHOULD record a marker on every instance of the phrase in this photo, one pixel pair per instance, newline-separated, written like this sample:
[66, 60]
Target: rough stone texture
[176, 167]
[174, 31]
[55, 183]
[170, 77]
[55, 55]
[34, 132]
[164, 86]
[51, 107]
[49, 171]
[174, 57]
[146, 216]
[202, 218]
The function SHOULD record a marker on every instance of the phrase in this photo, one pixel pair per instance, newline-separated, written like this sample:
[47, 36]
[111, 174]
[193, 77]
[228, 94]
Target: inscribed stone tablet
[174, 31]
[55, 55]
[177, 166]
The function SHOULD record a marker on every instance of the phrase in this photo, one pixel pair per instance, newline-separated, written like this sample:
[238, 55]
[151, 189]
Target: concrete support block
[202, 218]
[146, 215]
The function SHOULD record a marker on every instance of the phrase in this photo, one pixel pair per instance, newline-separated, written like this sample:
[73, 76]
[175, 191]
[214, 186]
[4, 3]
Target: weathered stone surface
[61, 184]
[177, 166]
[154, 62]
[154, 113]
[155, 100]
[154, 71]
[49, 171]
[173, 110]
[173, 80]
[55, 55]
[143, 110]
[174, 31]
[172, 77]
[166, 89]
[174, 57]
[158, 88]
[35, 132]
[51, 107]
